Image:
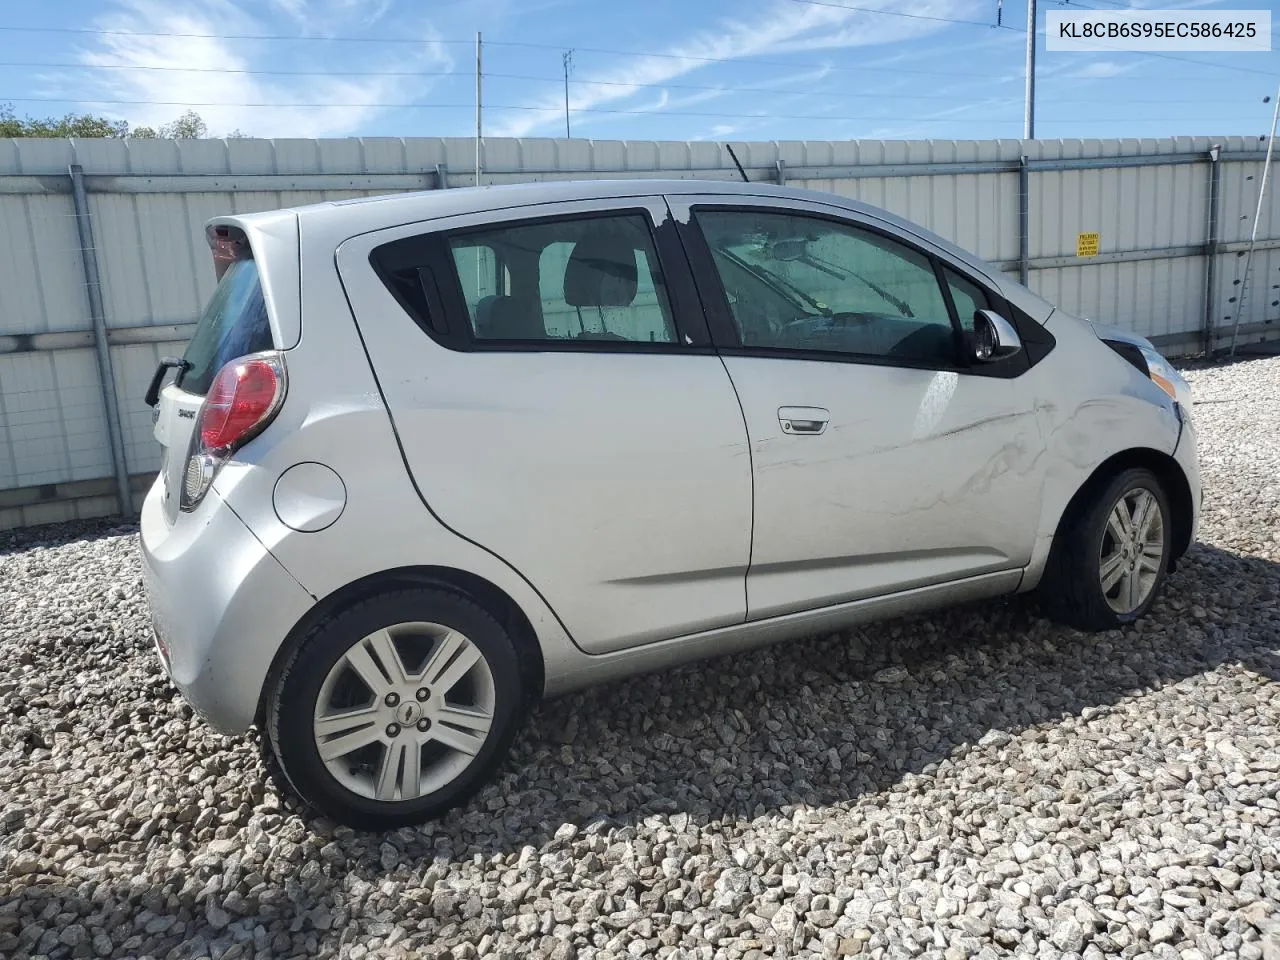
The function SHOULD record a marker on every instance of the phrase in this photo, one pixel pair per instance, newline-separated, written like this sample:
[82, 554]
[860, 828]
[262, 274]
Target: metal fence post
[1211, 247]
[110, 402]
[1024, 219]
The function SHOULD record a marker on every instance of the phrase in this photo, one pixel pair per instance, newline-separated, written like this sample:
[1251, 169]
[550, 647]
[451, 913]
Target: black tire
[297, 685]
[1070, 591]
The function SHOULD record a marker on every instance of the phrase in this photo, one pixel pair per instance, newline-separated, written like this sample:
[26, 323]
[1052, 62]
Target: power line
[491, 43]
[581, 81]
[899, 13]
[817, 93]
[454, 106]
[265, 73]
[451, 73]
[603, 110]
[616, 52]
[1111, 3]
[223, 36]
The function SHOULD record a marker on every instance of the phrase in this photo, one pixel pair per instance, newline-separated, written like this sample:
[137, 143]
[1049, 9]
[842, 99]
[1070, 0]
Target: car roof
[495, 197]
[337, 220]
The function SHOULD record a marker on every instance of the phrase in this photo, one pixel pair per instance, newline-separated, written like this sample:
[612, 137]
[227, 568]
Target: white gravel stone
[973, 783]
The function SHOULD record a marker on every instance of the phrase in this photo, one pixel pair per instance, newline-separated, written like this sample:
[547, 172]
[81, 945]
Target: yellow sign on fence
[1087, 244]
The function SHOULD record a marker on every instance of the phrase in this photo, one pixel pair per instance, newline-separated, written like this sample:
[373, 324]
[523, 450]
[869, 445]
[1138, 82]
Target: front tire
[1110, 555]
[397, 709]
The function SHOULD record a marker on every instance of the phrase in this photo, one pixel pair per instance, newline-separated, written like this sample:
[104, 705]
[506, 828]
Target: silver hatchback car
[430, 457]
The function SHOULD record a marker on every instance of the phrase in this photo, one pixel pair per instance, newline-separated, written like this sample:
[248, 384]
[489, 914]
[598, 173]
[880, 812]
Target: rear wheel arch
[1166, 469]
[492, 598]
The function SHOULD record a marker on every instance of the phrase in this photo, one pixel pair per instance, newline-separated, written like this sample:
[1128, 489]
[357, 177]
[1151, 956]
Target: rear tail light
[243, 399]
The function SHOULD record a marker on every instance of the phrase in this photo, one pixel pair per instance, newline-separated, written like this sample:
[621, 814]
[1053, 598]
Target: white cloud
[327, 17]
[1102, 69]
[924, 127]
[289, 103]
[294, 9]
[780, 27]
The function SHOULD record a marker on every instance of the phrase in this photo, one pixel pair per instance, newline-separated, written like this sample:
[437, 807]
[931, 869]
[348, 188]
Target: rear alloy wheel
[397, 709]
[1110, 558]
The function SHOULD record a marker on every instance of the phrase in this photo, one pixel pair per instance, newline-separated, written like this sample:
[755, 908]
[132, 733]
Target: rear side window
[233, 324]
[480, 272]
[573, 279]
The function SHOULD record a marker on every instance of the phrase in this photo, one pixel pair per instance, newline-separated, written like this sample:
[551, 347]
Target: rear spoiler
[228, 244]
[271, 240]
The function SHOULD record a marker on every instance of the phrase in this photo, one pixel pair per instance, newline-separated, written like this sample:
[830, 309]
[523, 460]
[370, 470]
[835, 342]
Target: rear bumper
[221, 605]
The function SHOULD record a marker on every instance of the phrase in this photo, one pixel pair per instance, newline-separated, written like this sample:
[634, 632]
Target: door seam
[746, 430]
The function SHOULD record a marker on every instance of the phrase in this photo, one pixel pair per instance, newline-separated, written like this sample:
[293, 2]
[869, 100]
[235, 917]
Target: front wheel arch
[1170, 475]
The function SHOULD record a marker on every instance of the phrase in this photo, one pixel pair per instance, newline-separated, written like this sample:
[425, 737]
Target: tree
[71, 125]
[189, 126]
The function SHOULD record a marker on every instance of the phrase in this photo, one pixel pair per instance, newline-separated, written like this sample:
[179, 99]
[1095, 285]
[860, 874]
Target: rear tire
[396, 709]
[1111, 554]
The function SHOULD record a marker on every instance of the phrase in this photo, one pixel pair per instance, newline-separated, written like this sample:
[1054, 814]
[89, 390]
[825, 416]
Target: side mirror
[788, 250]
[994, 337]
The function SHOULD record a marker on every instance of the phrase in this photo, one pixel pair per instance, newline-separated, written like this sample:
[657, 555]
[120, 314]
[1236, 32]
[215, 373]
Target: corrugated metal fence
[104, 267]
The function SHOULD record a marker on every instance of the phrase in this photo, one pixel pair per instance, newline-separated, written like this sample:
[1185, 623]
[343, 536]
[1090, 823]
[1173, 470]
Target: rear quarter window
[234, 323]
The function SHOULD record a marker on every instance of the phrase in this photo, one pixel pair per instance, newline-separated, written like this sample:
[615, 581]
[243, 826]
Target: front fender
[1092, 405]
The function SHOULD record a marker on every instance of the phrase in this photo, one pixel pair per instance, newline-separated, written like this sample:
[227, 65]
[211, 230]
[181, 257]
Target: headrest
[504, 318]
[602, 270]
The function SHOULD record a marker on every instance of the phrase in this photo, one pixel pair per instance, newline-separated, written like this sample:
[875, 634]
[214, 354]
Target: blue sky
[715, 69]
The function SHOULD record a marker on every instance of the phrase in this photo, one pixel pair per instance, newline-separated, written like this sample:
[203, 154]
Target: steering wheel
[849, 318]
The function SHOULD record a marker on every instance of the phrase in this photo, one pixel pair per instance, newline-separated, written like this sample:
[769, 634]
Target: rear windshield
[234, 324]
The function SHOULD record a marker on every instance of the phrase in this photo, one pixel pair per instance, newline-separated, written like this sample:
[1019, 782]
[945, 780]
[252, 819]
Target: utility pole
[479, 100]
[1029, 126]
[568, 68]
[1257, 216]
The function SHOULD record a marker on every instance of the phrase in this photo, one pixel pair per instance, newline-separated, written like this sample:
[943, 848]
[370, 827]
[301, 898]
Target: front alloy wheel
[1110, 554]
[1132, 555]
[396, 709]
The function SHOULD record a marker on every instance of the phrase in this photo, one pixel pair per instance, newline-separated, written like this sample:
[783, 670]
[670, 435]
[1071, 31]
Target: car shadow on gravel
[20, 539]
[825, 721]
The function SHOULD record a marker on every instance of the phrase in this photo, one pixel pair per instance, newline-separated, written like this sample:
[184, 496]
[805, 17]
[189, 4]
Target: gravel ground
[971, 783]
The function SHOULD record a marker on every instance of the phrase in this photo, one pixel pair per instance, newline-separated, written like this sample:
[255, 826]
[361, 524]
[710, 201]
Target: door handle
[809, 421]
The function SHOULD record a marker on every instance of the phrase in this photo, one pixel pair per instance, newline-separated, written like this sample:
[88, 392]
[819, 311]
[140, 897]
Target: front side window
[968, 297]
[577, 279]
[805, 283]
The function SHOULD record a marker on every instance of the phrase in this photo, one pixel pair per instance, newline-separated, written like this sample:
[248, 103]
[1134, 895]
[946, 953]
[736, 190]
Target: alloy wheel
[1132, 550]
[404, 711]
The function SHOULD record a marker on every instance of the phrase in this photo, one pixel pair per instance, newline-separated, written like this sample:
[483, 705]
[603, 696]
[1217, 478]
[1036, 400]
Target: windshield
[233, 324]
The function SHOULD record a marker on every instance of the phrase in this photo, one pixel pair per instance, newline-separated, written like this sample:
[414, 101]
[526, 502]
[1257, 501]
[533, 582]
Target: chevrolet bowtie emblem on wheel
[409, 713]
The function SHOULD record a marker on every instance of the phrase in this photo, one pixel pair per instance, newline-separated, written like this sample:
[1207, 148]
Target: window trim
[449, 321]
[725, 332]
